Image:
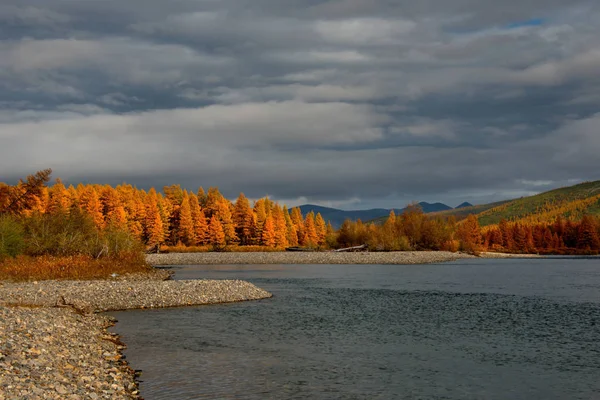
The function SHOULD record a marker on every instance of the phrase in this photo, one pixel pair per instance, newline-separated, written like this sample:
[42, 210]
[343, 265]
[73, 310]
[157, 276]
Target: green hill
[464, 212]
[569, 202]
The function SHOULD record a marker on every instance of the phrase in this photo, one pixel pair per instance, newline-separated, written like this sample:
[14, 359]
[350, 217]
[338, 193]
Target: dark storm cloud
[353, 103]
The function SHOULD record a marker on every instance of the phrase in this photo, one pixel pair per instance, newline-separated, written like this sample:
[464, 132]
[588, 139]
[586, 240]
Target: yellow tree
[469, 234]
[59, 200]
[89, 202]
[153, 223]
[260, 213]
[243, 220]
[310, 233]
[321, 229]
[164, 210]
[216, 234]
[16, 199]
[199, 219]
[137, 214]
[112, 208]
[412, 224]
[298, 221]
[223, 212]
[280, 227]
[212, 202]
[73, 195]
[292, 234]
[201, 197]
[268, 237]
[186, 231]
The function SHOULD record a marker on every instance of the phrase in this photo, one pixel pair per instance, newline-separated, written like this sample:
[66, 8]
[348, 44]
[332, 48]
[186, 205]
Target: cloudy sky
[347, 103]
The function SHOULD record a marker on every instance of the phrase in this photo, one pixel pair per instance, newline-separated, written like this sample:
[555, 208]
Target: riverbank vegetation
[48, 241]
[96, 226]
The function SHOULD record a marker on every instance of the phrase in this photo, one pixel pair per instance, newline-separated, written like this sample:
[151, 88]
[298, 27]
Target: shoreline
[55, 345]
[323, 257]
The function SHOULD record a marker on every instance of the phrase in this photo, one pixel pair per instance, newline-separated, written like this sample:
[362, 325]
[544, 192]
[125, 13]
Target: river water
[472, 329]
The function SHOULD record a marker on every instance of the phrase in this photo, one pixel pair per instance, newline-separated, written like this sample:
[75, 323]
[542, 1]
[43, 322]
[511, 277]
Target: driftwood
[153, 250]
[298, 248]
[362, 247]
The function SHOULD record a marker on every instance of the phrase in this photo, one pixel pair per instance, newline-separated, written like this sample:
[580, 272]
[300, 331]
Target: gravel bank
[96, 296]
[54, 353]
[55, 347]
[396, 257]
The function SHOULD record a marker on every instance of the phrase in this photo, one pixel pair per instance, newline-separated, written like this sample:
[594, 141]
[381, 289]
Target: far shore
[319, 257]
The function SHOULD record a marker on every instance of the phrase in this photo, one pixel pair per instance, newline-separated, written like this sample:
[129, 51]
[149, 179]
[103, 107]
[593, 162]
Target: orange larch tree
[216, 234]
[186, 233]
[243, 220]
[310, 232]
[268, 232]
[320, 229]
[89, 203]
[153, 223]
[280, 227]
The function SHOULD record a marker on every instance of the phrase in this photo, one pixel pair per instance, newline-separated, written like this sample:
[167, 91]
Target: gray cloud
[364, 103]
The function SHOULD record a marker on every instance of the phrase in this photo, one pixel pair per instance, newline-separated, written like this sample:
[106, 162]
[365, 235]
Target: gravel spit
[54, 346]
[317, 257]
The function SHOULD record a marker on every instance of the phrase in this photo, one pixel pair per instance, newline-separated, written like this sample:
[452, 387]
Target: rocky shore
[325, 257]
[54, 346]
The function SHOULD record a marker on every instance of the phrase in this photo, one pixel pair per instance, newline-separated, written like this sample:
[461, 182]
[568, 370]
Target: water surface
[472, 329]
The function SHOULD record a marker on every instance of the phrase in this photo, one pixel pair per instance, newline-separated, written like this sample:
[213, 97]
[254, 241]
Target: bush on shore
[65, 246]
[12, 239]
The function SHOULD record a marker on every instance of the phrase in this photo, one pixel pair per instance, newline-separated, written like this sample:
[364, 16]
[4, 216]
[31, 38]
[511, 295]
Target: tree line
[177, 217]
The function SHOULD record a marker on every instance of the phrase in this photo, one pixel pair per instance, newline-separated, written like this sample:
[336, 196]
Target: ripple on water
[319, 342]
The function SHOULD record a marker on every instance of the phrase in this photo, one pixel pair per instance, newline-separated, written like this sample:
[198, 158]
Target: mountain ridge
[337, 216]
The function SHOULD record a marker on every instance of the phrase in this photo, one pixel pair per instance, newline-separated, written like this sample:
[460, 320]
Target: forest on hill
[571, 202]
[207, 220]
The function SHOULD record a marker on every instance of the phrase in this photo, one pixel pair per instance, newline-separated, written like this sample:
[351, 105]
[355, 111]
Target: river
[470, 329]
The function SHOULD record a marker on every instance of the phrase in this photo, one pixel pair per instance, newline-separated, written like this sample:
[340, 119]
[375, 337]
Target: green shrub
[62, 235]
[12, 240]
[116, 241]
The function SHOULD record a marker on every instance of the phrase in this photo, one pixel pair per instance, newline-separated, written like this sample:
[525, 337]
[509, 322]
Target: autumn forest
[178, 219]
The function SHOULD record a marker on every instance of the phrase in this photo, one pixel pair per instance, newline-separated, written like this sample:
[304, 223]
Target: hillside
[463, 212]
[570, 202]
[337, 217]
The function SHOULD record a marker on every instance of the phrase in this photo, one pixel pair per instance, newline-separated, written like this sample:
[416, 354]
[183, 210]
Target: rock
[62, 350]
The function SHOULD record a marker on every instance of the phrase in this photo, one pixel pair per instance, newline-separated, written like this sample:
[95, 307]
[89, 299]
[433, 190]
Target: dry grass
[80, 267]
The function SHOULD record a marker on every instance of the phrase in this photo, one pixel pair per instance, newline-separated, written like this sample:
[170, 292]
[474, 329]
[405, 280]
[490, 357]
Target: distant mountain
[337, 217]
[570, 202]
[465, 204]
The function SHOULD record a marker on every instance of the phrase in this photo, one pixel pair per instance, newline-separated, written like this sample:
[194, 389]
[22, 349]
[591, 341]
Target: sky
[345, 103]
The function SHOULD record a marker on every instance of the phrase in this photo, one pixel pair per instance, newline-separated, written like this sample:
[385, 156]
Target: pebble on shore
[317, 257]
[53, 346]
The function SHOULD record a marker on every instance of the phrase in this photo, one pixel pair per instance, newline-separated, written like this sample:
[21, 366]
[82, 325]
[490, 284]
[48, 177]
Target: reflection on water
[517, 329]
